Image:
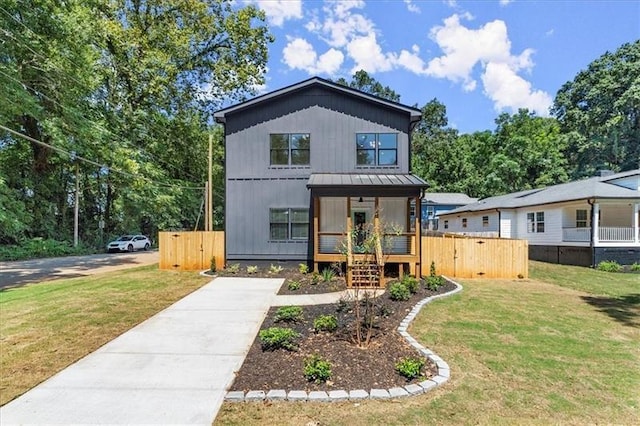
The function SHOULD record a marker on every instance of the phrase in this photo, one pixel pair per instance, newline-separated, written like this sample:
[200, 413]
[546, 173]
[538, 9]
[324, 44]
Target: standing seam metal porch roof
[365, 184]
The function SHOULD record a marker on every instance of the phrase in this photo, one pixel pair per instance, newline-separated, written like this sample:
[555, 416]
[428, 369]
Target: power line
[86, 160]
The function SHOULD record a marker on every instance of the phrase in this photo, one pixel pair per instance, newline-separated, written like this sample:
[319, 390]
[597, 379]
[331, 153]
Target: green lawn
[562, 347]
[45, 327]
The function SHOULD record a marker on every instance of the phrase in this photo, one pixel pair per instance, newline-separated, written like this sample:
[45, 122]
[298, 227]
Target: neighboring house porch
[613, 223]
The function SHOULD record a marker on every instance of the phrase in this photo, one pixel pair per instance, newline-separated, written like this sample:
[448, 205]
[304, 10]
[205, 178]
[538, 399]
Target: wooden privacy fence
[191, 251]
[476, 257]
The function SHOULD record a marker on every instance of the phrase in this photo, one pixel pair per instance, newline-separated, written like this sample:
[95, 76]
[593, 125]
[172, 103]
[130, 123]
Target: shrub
[410, 367]
[303, 268]
[316, 369]
[609, 266]
[212, 265]
[233, 268]
[635, 267]
[278, 338]
[315, 278]
[252, 270]
[398, 291]
[433, 283]
[275, 269]
[411, 283]
[432, 269]
[325, 323]
[327, 275]
[294, 285]
[289, 314]
[343, 304]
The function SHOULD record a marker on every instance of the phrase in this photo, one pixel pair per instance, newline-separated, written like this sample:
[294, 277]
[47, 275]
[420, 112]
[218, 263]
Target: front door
[359, 226]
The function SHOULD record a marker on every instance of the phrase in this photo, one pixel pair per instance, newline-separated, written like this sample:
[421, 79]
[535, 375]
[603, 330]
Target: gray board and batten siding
[332, 117]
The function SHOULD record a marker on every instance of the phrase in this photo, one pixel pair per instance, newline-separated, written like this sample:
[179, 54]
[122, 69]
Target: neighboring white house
[436, 203]
[576, 223]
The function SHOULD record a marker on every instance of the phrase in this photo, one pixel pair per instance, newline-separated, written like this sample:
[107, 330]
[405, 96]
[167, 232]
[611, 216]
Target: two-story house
[308, 164]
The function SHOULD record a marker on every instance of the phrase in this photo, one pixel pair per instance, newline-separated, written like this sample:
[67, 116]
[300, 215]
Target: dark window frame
[374, 151]
[485, 221]
[291, 151]
[582, 218]
[291, 225]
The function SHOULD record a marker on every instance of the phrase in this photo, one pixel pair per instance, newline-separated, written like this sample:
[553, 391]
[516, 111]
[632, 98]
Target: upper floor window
[290, 149]
[535, 222]
[581, 218]
[288, 224]
[376, 149]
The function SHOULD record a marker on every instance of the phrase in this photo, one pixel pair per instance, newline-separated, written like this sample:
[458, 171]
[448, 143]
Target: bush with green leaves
[212, 264]
[41, 247]
[327, 275]
[315, 278]
[635, 267]
[303, 268]
[325, 323]
[233, 268]
[294, 285]
[433, 283]
[317, 369]
[252, 270]
[399, 291]
[411, 283]
[275, 269]
[410, 367]
[289, 314]
[278, 338]
[609, 266]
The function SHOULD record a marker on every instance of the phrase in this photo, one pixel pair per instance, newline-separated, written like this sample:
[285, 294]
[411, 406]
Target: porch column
[596, 219]
[316, 232]
[636, 225]
[418, 225]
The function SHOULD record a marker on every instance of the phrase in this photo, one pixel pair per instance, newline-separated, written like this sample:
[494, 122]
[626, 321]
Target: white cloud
[278, 11]
[509, 90]
[368, 55]
[300, 54]
[342, 25]
[489, 49]
[505, 2]
[412, 7]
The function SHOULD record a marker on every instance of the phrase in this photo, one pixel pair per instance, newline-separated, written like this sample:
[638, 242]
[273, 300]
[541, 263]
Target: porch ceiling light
[360, 200]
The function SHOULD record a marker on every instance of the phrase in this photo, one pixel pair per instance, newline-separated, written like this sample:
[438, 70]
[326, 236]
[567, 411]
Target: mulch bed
[352, 367]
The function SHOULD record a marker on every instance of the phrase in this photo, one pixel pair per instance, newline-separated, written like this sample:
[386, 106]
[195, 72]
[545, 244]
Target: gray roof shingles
[595, 187]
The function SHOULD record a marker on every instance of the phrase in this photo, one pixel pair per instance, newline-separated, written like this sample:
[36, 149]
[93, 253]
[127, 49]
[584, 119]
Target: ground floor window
[288, 224]
[581, 218]
[485, 221]
[535, 222]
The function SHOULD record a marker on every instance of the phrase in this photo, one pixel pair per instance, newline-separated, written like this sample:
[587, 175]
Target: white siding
[474, 223]
[552, 225]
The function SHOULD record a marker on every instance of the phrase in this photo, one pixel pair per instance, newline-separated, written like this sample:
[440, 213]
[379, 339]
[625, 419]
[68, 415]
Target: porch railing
[334, 243]
[612, 233]
[576, 234]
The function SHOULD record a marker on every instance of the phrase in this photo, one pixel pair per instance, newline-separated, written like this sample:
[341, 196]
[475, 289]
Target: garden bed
[351, 367]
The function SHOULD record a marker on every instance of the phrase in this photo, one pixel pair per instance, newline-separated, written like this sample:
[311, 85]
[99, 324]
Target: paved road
[37, 270]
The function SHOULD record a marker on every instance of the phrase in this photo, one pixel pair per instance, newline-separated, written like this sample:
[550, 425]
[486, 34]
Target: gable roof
[415, 113]
[448, 198]
[602, 187]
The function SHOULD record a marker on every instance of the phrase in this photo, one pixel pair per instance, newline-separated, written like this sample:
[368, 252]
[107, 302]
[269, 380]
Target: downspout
[592, 224]
[499, 223]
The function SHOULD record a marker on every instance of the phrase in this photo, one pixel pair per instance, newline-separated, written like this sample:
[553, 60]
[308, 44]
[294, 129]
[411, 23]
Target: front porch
[603, 224]
[370, 225]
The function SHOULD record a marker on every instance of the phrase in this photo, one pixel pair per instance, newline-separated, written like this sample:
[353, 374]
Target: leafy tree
[599, 111]
[362, 81]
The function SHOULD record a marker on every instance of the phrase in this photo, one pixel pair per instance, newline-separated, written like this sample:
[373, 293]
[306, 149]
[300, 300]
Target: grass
[560, 348]
[45, 327]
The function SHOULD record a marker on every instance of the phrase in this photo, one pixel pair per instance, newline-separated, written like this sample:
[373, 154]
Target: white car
[129, 243]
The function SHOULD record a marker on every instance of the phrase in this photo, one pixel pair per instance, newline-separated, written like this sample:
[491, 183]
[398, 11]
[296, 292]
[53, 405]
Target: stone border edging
[443, 375]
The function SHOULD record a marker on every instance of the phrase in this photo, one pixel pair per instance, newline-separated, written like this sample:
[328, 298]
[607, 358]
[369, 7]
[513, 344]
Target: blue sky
[479, 58]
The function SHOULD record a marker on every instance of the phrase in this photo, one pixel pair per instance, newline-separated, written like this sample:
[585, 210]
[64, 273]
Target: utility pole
[75, 209]
[210, 187]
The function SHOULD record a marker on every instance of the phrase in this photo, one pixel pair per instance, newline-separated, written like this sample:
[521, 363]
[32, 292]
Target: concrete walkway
[173, 368]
